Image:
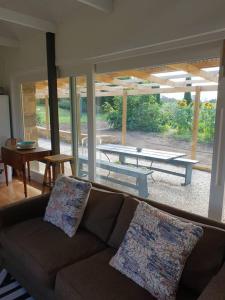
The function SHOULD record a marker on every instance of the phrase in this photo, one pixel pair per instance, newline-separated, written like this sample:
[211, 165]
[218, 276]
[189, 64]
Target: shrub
[143, 113]
[65, 104]
[183, 117]
[207, 122]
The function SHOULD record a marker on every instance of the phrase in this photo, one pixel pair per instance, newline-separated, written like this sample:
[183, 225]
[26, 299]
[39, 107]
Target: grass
[64, 116]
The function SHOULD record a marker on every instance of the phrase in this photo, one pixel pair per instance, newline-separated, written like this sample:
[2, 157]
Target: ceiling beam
[15, 17]
[8, 42]
[103, 5]
[194, 71]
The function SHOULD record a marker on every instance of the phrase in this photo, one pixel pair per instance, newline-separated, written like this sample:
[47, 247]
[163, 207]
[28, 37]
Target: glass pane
[36, 116]
[152, 139]
[65, 120]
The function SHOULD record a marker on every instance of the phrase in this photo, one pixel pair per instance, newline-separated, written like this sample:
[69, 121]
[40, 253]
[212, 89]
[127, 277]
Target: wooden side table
[18, 158]
[55, 166]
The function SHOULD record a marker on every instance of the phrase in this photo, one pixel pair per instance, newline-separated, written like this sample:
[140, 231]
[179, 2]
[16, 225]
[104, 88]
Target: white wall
[133, 24]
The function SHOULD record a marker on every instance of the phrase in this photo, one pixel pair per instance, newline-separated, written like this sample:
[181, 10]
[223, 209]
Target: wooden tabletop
[145, 153]
[25, 151]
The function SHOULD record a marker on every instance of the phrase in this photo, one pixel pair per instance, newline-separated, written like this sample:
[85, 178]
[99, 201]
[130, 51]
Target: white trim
[26, 20]
[74, 120]
[91, 113]
[182, 42]
[217, 189]
[103, 5]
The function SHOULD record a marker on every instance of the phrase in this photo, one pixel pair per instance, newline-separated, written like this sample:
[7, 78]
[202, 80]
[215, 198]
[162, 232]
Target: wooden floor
[15, 192]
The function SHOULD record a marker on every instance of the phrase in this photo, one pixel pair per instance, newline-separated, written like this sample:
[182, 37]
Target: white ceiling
[52, 11]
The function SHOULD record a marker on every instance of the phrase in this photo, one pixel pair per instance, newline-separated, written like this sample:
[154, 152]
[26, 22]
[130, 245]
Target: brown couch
[51, 265]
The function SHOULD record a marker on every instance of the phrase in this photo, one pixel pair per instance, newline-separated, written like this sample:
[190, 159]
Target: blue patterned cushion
[67, 204]
[155, 249]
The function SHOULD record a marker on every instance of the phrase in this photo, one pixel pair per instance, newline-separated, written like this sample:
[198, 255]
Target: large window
[155, 129]
[153, 126]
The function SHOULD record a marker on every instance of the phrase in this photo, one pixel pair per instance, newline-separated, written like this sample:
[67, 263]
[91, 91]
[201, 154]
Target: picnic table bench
[151, 155]
[140, 174]
[180, 162]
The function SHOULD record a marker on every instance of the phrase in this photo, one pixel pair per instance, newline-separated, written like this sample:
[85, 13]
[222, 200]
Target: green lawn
[64, 116]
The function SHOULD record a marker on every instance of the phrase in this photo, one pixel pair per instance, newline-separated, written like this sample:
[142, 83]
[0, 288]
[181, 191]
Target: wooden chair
[55, 166]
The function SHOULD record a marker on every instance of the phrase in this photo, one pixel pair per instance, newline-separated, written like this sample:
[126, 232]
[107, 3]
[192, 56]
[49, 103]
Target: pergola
[197, 77]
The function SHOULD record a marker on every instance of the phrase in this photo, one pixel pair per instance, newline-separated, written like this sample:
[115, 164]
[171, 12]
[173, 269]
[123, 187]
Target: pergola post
[195, 122]
[124, 117]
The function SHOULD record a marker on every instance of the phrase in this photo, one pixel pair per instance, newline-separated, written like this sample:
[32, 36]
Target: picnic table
[173, 158]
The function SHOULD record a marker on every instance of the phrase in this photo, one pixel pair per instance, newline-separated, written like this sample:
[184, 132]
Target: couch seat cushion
[94, 279]
[41, 249]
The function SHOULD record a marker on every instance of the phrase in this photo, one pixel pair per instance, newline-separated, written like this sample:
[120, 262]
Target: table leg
[142, 182]
[122, 158]
[24, 179]
[56, 171]
[62, 168]
[6, 174]
[50, 175]
[188, 175]
[28, 169]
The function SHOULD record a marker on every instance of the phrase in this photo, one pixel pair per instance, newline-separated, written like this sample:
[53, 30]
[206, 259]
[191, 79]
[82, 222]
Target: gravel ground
[168, 189]
[164, 188]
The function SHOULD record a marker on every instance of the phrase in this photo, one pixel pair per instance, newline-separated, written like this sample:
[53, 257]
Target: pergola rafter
[150, 80]
[195, 71]
[147, 81]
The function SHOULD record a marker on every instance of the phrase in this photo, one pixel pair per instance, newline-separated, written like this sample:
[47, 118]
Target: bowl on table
[25, 145]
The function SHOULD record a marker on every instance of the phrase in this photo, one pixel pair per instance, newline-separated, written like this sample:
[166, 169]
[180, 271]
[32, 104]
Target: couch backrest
[101, 212]
[164, 207]
[205, 260]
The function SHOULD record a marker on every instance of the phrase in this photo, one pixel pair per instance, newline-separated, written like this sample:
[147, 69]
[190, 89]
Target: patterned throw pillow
[155, 249]
[67, 204]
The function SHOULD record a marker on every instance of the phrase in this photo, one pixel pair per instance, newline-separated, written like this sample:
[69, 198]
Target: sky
[205, 96]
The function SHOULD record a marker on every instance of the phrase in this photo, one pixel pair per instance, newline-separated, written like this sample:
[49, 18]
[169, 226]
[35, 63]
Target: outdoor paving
[164, 188]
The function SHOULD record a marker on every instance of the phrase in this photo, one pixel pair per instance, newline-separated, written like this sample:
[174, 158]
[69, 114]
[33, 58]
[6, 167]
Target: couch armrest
[26, 209]
[216, 287]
